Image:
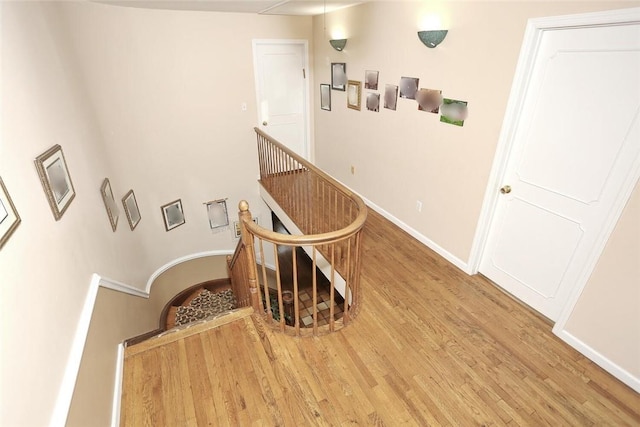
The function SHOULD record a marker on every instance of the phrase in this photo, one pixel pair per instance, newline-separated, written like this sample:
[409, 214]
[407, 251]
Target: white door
[574, 146]
[282, 92]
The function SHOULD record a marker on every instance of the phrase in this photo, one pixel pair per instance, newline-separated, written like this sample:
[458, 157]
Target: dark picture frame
[56, 180]
[173, 215]
[325, 97]
[110, 203]
[338, 76]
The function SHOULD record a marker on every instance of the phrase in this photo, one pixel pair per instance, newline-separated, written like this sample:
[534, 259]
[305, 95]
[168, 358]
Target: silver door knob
[506, 189]
[264, 123]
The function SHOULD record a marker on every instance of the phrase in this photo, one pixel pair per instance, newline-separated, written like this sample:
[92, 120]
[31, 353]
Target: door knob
[264, 123]
[506, 189]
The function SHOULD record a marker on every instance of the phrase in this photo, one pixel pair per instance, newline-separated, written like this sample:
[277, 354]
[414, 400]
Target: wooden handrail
[331, 219]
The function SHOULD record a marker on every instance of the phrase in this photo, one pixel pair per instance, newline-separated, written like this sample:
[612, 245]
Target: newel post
[247, 239]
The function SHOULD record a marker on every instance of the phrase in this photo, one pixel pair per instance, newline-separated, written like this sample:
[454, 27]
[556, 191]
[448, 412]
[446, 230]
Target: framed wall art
[131, 209]
[217, 214]
[371, 80]
[110, 203]
[338, 76]
[354, 89]
[373, 101]
[173, 215]
[390, 97]
[325, 97]
[9, 218]
[408, 87]
[56, 181]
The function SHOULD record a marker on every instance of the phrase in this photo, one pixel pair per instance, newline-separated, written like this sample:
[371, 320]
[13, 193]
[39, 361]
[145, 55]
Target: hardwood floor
[430, 346]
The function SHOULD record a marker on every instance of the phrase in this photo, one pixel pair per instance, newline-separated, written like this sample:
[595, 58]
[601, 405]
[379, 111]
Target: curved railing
[312, 286]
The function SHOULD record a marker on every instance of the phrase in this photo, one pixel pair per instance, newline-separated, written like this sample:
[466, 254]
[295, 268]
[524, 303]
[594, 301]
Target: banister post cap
[243, 206]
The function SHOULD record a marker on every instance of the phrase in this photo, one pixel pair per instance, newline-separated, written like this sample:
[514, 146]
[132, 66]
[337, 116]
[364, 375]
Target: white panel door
[575, 144]
[282, 92]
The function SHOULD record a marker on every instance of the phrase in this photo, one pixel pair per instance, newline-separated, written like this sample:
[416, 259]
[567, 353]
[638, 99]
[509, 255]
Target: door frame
[306, 87]
[531, 43]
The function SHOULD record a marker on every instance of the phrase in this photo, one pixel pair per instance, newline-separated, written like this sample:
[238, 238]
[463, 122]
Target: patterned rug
[206, 304]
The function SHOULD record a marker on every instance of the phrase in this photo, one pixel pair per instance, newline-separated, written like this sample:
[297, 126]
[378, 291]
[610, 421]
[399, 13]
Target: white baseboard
[117, 387]
[599, 359]
[65, 393]
[180, 260]
[420, 237]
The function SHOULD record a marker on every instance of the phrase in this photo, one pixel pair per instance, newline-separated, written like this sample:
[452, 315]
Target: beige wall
[46, 266]
[407, 155]
[607, 315]
[167, 87]
[150, 99]
[118, 316]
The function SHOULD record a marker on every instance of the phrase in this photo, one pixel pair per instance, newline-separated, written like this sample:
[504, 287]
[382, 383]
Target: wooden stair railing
[329, 218]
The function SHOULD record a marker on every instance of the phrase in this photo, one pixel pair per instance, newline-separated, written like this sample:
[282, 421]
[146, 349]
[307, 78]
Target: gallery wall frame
[338, 76]
[56, 180]
[131, 209]
[409, 87]
[173, 215]
[354, 90]
[325, 97]
[371, 79]
[217, 214]
[390, 97]
[373, 101]
[9, 218]
[110, 203]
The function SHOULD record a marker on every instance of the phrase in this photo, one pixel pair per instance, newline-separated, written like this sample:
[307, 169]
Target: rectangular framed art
[353, 94]
[173, 215]
[110, 203]
[56, 181]
[9, 218]
[131, 209]
[338, 76]
[325, 97]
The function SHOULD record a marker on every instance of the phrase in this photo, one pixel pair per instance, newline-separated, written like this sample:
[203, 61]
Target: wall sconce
[338, 44]
[432, 38]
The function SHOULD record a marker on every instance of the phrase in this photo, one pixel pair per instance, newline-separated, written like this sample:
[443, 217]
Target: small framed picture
[56, 181]
[373, 101]
[9, 218]
[338, 76]
[408, 87]
[131, 209]
[371, 80]
[325, 97]
[173, 215]
[217, 214]
[354, 89]
[110, 203]
[390, 97]
[453, 112]
[429, 100]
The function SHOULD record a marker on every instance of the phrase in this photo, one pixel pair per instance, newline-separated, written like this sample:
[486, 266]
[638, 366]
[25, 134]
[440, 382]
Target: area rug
[206, 304]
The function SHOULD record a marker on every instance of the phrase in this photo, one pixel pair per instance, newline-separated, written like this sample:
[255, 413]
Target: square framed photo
[9, 218]
[110, 203]
[408, 87]
[354, 89]
[338, 76]
[56, 181]
[173, 215]
[325, 97]
[131, 209]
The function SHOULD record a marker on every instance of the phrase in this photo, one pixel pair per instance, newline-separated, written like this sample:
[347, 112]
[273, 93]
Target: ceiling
[265, 7]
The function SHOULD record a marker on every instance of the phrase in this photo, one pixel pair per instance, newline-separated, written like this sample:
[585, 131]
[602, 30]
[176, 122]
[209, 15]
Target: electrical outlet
[353, 170]
[418, 205]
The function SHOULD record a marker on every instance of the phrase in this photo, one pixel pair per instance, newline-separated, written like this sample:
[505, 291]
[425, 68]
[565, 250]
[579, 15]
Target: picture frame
[390, 97]
[354, 90]
[371, 80]
[56, 180]
[325, 97]
[131, 209]
[373, 102]
[217, 214]
[173, 215]
[408, 87]
[110, 203]
[9, 218]
[338, 76]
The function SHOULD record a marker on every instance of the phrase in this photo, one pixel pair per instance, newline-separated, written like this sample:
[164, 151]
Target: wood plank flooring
[430, 346]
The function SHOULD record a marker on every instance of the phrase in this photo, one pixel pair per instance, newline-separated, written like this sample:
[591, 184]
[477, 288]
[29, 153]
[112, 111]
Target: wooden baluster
[279, 288]
[267, 300]
[247, 239]
[315, 292]
[347, 285]
[296, 300]
[332, 290]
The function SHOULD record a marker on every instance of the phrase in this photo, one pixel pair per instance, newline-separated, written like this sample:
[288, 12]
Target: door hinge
[304, 75]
